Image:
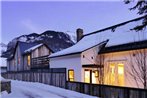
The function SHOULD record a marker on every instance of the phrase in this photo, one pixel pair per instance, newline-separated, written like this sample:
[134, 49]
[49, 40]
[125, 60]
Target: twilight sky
[29, 16]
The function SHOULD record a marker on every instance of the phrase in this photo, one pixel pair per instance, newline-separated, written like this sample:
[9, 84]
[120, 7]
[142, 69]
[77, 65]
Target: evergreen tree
[141, 6]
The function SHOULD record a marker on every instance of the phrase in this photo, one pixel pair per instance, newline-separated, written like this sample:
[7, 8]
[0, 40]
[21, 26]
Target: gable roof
[117, 35]
[80, 47]
[35, 47]
[23, 46]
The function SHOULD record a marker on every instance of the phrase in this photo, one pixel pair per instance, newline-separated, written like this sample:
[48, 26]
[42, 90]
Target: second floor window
[29, 60]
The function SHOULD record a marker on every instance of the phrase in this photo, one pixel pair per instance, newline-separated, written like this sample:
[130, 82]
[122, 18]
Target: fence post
[126, 93]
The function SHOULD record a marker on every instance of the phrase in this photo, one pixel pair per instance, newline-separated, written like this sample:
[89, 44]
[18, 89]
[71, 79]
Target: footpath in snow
[22, 89]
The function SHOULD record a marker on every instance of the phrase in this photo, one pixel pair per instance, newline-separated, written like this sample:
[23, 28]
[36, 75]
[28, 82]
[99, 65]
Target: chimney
[79, 34]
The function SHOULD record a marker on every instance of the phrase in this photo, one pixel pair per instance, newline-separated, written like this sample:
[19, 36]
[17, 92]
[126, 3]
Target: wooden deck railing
[40, 62]
[106, 91]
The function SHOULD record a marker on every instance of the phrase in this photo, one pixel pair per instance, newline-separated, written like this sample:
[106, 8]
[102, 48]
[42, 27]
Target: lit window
[116, 74]
[29, 60]
[112, 74]
[87, 76]
[120, 69]
[121, 74]
[71, 75]
[96, 73]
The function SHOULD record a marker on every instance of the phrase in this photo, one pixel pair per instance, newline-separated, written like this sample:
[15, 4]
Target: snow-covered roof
[117, 35]
[32, 48]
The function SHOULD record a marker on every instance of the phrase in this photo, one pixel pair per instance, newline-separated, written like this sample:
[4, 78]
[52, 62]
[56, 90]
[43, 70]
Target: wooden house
[27, 56]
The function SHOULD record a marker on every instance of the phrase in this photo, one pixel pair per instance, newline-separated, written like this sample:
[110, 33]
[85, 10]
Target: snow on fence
[106, 91]
[55, 77]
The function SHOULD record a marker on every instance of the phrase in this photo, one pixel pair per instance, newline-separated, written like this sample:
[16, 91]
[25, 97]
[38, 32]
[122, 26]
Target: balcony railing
[40, 62]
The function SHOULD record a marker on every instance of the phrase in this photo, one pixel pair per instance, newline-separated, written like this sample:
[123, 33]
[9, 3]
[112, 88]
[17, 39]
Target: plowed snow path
[22, 89]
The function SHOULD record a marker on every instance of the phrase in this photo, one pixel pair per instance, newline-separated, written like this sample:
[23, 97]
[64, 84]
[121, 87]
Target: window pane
[71, 75]
[87, 76]
[112, 74]
[29, 60]
[121, 74]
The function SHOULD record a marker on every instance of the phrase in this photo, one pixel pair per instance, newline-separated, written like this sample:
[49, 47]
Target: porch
[113, 74]
[93, 73]
[40, 62]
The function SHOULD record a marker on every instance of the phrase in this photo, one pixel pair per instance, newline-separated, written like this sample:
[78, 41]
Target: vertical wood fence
[55, 77]
[106, 91]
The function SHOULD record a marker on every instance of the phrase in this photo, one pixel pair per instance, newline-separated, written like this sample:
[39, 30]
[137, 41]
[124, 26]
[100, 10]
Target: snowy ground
[37, 90]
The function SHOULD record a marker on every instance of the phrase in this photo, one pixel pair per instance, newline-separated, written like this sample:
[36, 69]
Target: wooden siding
[40, 51]
[39, 56]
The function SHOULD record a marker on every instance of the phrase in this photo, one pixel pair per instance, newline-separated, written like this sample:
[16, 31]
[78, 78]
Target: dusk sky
[20, 18]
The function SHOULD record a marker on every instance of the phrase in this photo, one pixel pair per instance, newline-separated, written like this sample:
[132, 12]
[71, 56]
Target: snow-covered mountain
[55, 40]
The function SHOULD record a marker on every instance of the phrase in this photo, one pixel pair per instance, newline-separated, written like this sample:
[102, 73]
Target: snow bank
[37, 90]
[1, 78]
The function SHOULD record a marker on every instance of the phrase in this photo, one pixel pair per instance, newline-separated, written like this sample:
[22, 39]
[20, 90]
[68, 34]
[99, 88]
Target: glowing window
[71, 75]
[112, 74]
[121, 74]
[87, 76]
[96, 73]
[29, 60]
[120, 69]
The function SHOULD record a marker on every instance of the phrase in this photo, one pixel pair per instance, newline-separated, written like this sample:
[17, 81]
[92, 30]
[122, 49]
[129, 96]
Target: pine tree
[141, 6]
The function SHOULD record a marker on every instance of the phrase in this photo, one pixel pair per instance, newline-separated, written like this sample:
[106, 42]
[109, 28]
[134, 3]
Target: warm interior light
[120, 74]
[96, 73]
[120, 69]
[112, 74]
[71, 75]
[87, 77]
[93, 77]
[29, 60]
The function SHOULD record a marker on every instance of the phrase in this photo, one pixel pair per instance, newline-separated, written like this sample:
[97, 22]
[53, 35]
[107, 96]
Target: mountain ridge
[54, 39]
